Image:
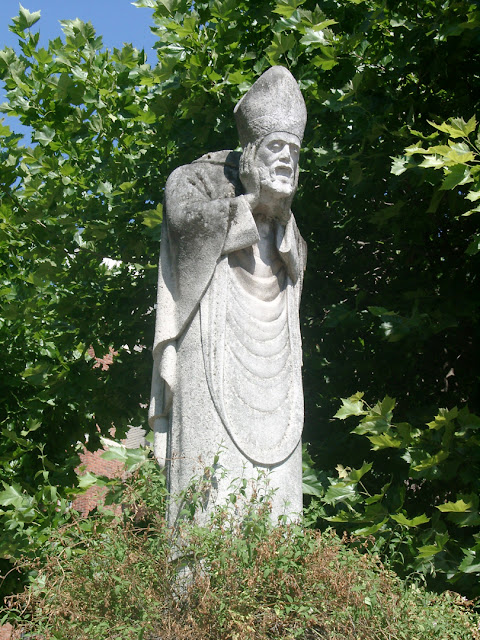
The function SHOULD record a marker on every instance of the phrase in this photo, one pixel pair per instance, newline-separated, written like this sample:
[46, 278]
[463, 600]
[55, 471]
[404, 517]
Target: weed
[116, 577]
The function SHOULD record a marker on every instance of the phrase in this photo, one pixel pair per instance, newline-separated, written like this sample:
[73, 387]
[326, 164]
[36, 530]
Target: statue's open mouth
[283, 171]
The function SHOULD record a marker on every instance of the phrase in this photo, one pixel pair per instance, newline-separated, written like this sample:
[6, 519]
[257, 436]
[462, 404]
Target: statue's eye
[275, 146]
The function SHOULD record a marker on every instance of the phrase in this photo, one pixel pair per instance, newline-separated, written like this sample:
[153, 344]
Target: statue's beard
[279, 182]
[278, 186]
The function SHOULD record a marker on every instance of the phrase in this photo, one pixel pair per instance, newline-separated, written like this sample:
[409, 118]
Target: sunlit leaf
[340, 492]
[457, 175]
[385, 441]
[460, 506]
[45, 135]
[352, 406]
[456, 127]
[406, 522]
[356, 474]
[26, 19]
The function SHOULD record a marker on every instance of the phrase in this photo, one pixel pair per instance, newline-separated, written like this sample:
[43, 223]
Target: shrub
[130, 576]
[418, 495]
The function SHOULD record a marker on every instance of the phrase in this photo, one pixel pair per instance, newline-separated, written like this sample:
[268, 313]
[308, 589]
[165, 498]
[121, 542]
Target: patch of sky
[117, 21]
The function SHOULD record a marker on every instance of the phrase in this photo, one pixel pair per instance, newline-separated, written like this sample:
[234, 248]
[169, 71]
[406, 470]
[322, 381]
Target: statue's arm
[198, 211]
[199, 226]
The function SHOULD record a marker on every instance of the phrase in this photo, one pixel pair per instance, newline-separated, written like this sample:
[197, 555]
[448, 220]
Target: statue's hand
[250, 177]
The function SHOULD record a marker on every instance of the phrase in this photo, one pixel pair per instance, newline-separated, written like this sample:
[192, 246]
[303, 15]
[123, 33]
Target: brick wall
[93, 462]
[6, 632]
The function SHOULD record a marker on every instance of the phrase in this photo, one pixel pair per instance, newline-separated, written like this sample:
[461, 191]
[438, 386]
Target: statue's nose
[285, 155]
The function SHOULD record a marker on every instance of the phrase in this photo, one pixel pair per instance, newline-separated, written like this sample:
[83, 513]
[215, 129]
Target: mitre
[273, 103]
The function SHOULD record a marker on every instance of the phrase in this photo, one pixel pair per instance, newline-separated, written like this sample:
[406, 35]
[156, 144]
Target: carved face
[277, 162]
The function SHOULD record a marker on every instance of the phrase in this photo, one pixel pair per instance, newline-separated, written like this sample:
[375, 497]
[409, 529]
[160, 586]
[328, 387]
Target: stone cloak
[205, 218]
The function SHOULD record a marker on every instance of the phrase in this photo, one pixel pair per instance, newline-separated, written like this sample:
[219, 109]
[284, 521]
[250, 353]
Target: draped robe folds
[227, 349]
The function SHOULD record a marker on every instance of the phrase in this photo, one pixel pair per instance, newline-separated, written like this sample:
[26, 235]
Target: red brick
[93, 462]
[6, 632]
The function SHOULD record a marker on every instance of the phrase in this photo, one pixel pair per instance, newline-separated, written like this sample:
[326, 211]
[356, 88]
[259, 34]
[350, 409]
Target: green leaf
[356, 474]
[455, 507]
[344, 516]
[317, 36]
[44, 135]
[471, 211]
[414, 148]
[287, 7]
[4, 129]
[13, 495]
[325, 59]
[25, 19]
[372, 529]
[432, 162]
[443, 418]
[427, 551]
[311, 486]
[146, 116]
[468, 564]
[42, 56]
[385, 441]
[399, 165]
[387, 406]
[281, 43]
[114, 450]
[131, 458]
[454, 153]
[474, 194]
[466, 127]
[310, 479]
[378, 496]
[474, 246]
[237, 77]
[11, 435]
[352, 406]
[431, 461]
[461, 152]
[88, 479]
[32, 425]
[148, 4]
[381, 311]
[471, 568]
[406, 522]
[38, 374]
[223, 9]
[456, 175]
[340, 492]
[457, 128]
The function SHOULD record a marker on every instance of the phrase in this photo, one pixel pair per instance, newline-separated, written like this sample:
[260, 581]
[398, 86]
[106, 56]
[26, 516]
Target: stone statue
[227, 350]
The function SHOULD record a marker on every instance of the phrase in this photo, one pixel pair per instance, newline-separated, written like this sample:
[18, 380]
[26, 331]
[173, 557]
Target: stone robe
[227, 349]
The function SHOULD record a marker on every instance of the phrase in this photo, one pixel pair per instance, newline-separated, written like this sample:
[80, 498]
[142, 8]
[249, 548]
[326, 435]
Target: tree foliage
[390, 302]
[419, 496]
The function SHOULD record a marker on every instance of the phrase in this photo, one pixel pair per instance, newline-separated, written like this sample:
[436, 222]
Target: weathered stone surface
[227, 352]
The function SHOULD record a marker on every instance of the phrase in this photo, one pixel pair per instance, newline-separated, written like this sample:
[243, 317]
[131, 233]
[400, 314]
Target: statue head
[274, 103]
[276, 159]
[271, 119]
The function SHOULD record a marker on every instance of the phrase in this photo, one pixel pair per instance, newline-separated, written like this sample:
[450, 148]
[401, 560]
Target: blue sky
[117, 21]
